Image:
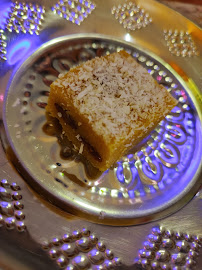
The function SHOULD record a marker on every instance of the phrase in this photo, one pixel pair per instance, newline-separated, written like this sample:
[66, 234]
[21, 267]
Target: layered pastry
[107, 105]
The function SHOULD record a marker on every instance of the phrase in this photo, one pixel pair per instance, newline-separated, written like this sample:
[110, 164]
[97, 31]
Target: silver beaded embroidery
[180, 43]
[3, 45]
[11, 214]
[80, 250]
[74, 11]
[25, 18]
[169, 250]
[131, 16]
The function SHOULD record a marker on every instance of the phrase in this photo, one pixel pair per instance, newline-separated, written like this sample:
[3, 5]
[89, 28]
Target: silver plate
[156, 178]
[33, 232]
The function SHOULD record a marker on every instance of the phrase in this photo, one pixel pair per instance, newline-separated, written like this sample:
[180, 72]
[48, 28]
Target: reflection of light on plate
[18, 51]
[5, 8]
[127, 37]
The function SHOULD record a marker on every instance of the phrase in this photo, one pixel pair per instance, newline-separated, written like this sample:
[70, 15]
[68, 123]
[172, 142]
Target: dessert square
[107, 105]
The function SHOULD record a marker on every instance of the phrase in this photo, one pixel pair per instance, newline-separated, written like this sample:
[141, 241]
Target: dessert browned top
[115, 93]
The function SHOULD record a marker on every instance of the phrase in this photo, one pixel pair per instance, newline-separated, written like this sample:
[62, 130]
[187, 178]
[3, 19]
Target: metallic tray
[155, 179]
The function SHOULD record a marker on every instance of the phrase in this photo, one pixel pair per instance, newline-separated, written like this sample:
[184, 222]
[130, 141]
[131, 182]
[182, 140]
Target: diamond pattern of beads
[180, 43]
[25, 17]
[80, 250]
[74, 11]
[169, 250]
[3, 45]
[11, 214]
[131, 16]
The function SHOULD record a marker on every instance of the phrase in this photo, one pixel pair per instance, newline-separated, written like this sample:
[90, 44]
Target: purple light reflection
[161, 185]
[169, 154]
[73, 13]
[152, 189]
[18, 51]
[119, 174]
[150, 173]
[79, 8]
[177, 134]
[4, 11]
[93, 252]
[131, 194]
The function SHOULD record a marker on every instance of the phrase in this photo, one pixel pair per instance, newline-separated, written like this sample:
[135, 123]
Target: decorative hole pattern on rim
[165, 249]
[11, 206]
[180, 43]
[74, 11]
[80, 250]
[131, 16]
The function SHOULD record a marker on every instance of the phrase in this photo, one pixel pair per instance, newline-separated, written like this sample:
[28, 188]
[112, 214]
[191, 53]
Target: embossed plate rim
[184, 197]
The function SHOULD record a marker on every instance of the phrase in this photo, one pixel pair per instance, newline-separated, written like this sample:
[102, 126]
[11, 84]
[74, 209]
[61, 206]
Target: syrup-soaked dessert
[107, 105]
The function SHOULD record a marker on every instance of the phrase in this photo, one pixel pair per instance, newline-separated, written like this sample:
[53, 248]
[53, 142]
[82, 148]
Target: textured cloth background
[191, 10]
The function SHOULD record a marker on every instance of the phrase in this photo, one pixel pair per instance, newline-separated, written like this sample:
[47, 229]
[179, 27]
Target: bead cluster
[25, 17]
[169, 250]
[74, 11]
[180, 43]
[3, 45]
[11, 214]
[80, 250]
[28, 18]
[131, 16]
[21, 18]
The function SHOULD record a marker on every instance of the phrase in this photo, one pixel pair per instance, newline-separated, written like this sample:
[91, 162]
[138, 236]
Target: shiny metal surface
[25, 247]
[141, 185]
